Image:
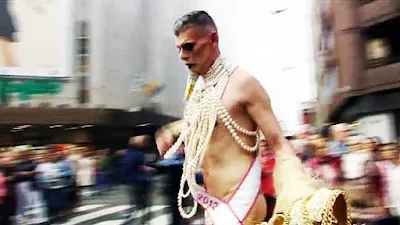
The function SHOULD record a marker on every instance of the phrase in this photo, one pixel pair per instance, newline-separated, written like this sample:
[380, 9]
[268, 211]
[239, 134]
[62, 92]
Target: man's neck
[213, 59]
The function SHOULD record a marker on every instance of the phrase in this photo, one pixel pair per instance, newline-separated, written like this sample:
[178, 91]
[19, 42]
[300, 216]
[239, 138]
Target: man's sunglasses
[188, 46]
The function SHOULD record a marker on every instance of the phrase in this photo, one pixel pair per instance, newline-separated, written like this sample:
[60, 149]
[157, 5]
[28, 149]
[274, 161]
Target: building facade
[85, 73]
[357, 51]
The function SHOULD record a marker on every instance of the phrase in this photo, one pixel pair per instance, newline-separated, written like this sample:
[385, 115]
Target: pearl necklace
[202, 111]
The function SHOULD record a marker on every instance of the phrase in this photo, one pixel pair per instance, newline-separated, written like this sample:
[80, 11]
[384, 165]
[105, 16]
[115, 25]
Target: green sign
[28, 88]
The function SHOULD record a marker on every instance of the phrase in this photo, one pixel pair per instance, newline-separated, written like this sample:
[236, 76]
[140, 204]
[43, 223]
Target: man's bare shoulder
[240, 75]
[246, 84]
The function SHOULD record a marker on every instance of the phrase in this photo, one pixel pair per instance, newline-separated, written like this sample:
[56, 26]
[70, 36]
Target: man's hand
[166, 135]
[164, 140]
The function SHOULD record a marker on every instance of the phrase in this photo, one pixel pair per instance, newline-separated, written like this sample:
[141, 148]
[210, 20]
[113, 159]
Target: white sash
[235, 210]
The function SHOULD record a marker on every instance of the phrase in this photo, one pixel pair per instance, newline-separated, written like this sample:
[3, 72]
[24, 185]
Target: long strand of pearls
[202, 111]
[232, 126]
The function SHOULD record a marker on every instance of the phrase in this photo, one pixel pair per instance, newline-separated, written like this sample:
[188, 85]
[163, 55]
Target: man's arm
[175, 127]
[165, 136]
[258, 105]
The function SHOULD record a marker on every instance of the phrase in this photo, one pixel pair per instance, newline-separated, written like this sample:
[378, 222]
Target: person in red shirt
[3, 188]
[267, 181]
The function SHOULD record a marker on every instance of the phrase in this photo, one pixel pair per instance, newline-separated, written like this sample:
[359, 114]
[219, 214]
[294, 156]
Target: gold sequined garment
[301, 200]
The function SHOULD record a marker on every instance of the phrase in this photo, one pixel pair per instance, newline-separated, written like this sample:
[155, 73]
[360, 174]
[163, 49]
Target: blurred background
[79, 78]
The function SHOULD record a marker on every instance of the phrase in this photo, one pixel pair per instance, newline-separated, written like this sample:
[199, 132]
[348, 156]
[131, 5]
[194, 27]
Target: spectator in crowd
[173, 168]
[325, 131]
[300, 141]
[67, 184]
[46, 173]
[3, 189]
[325, 166]
[136, 175]
[53, 177]
[86, 174]
[116, 162]
[73, 156]
[8, 206]
[24, 176]
[37, 195]
[103, 169]
[267, 183]
[353, 162]
[3, 193]
[339, 133]
[390, 169]
[373, 203]
[313, 141]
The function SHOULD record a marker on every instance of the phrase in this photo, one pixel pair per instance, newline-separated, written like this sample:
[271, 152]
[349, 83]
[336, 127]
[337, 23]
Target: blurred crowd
[38, 185]
[45, 186]
[366, 168]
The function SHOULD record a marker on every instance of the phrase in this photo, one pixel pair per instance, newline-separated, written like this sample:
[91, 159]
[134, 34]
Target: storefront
[380, 110]
[104, 128]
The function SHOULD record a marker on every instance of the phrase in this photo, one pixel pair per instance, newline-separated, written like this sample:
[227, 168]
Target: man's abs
[224, 167]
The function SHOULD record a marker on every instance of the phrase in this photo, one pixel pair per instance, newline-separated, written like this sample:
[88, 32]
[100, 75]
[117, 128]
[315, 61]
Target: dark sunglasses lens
[188, 47]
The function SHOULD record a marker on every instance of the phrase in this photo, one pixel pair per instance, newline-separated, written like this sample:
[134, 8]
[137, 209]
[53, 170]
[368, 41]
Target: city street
[112, 208]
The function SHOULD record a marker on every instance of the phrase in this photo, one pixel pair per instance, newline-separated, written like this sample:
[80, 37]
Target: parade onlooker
[47, 175]
[103, 171]
[3, 193]
[3, 188]
[300, 142]
[267, 181]
[353, 163]
[8, 207]
[73, 156]
[136, 176]
[40, 206]
[339, 134]
[390, 168]
[86, 174]
[24, 177]
[66, 184]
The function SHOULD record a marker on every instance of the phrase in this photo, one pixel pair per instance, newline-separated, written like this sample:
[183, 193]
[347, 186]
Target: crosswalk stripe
[198, 222]
[87, 207]
[96, 214]
[111, 222]
[157, 207]
[161, 220]
[103, 210]
[142, 212]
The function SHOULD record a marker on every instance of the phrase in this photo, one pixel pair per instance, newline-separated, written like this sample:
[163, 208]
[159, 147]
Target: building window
[382, 43]
[364, 2]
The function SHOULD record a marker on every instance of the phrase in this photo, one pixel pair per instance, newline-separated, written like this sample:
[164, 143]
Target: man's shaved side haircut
[194, 18]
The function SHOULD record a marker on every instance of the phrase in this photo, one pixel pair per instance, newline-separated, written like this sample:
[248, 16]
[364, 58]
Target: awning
[81, 116]
[374, 103]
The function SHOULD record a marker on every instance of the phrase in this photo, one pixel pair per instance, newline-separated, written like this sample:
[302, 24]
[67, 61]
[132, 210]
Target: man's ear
[214, 37]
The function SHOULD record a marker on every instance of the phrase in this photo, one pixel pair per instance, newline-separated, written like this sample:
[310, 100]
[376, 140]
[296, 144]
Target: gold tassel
[190, 86]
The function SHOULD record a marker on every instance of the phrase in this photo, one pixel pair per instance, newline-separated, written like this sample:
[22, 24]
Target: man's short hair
[194, 18]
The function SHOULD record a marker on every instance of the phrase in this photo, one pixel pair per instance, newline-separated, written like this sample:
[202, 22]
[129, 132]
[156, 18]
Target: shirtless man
[231, 155]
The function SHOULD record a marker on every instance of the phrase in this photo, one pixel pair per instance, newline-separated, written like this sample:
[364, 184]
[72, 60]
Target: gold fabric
[302, 200]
